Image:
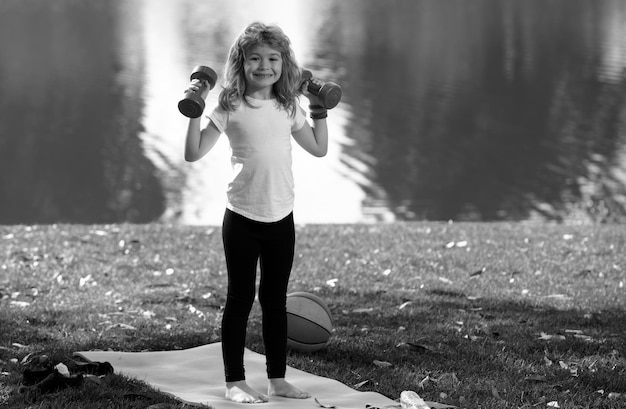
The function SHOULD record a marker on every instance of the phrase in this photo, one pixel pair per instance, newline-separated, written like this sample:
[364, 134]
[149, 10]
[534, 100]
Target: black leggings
[246, 242]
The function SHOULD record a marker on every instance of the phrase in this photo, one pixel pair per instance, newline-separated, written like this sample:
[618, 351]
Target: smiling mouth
[264, 75]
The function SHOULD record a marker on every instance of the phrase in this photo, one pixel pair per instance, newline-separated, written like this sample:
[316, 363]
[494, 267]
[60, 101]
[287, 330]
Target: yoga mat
[196, 375]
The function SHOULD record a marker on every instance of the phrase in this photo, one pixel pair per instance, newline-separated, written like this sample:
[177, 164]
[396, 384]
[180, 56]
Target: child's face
[263, 67]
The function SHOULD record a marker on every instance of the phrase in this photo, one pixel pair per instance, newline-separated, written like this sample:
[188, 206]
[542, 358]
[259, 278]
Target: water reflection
[483, 110]
[68, 145]
[491, 126]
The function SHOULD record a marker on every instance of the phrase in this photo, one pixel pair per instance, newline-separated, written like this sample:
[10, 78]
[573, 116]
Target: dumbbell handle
[329, 93]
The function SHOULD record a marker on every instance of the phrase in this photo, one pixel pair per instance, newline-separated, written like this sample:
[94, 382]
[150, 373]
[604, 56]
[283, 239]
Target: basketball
[309, 322]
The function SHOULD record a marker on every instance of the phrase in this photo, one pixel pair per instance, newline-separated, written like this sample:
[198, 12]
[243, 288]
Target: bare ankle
[240, 392]
[280, 387]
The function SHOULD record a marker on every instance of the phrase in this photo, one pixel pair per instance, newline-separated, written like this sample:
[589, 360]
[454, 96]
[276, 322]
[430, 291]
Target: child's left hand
[313, 99]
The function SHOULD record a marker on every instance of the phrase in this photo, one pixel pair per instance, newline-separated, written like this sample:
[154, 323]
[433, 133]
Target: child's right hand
[198, 84]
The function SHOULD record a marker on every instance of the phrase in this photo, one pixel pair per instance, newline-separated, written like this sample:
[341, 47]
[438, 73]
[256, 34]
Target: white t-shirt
[262, 186]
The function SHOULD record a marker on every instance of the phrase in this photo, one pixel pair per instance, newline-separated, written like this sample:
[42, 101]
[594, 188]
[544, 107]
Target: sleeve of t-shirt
[298, 120]
[219, 116]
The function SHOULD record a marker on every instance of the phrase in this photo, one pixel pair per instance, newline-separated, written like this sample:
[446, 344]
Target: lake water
[452, 109]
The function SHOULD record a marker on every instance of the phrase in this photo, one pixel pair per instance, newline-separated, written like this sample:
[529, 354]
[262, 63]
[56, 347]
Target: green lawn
[477, 315]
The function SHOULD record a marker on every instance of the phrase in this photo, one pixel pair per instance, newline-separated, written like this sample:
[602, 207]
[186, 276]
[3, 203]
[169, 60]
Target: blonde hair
[285, 89]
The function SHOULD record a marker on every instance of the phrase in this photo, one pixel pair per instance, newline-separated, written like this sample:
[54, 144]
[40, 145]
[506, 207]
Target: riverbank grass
[493, 315]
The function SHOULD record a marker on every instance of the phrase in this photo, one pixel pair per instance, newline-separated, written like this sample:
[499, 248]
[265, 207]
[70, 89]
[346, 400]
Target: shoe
[34, 376]
[54, 382]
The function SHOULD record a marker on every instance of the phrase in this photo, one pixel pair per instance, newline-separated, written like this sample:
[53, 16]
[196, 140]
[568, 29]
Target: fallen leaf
[404, 305]
[423, 382]
[553, 404]
[415, 347]
[460, 244]
[445, 280]
[358, 385]
[573, 331]
[26, 358]
[382, 364]
[84, 280]
[547, 337]
[472, 337]
[559, 296]
[324, 406]
[478, 272]
[121, 326]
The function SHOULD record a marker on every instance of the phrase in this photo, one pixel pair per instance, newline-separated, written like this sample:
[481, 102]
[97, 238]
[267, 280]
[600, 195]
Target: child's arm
[199, 142]
[314, 139]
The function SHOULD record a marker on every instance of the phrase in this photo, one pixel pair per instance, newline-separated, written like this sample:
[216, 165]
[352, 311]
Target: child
[258, 110]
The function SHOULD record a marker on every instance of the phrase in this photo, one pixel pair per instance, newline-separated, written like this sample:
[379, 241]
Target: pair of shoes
[52, 383]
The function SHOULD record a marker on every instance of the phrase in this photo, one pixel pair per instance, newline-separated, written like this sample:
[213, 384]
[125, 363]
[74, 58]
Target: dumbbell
[192, 104]
[328, 93]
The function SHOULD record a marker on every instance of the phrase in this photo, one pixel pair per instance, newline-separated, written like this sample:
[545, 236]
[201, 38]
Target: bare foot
[280, 387]
[240, 392]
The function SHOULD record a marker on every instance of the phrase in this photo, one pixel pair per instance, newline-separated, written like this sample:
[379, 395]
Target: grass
[493, 315]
